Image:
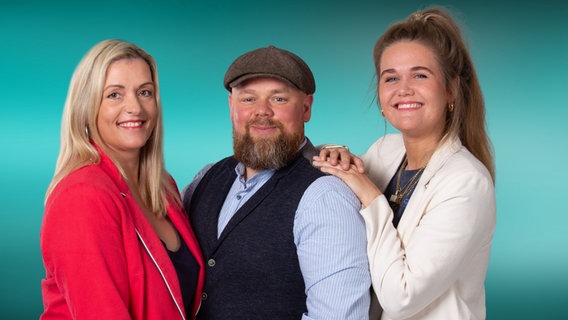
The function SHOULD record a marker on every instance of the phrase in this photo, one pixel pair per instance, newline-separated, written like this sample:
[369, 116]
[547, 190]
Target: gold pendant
[395, 198]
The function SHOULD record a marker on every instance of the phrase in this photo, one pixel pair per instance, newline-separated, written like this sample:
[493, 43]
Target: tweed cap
[271, 62]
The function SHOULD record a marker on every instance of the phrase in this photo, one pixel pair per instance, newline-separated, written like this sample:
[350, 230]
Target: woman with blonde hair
[428, 194]
[115, 240]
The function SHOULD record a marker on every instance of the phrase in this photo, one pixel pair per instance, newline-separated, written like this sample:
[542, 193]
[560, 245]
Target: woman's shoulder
[461, 164]
[391, 140]
[85, 196]
[390, 145]
[89, 180]
[89, 173]
[463, 160]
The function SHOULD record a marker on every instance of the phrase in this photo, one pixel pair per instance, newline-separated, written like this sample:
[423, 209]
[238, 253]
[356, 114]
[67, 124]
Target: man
[281, 240]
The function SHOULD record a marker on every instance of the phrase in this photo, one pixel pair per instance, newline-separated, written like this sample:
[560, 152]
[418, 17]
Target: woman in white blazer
[427, 194]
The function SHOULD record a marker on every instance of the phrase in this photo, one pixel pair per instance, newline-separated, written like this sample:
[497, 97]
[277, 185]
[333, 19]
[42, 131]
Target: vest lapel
[209, 242]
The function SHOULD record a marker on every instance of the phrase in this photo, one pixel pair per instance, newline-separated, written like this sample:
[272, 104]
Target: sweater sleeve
[83, 253]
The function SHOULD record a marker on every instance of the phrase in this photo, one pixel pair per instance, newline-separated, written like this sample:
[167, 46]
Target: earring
[382, 113]
[451, 107]
[87, 131]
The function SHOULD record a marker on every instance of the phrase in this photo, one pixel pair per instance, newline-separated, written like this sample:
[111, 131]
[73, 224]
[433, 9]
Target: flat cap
[271, 62]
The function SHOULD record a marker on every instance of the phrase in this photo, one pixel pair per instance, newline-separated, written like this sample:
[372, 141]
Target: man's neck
[250, 172]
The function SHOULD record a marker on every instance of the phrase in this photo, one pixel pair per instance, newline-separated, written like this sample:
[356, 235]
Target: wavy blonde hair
[435, 28]
[79, 125]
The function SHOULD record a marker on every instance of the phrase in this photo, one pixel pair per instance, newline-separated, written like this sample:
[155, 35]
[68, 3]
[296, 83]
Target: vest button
[204, 296]
[211, 262]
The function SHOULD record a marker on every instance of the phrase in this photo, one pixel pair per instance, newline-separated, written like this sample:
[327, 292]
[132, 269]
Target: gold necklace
[401, 192]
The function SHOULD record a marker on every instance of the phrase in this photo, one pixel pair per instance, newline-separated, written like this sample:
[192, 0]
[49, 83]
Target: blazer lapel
[416, 206]
[155, 249]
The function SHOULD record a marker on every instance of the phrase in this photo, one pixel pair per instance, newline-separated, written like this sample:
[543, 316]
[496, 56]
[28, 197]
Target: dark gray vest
[252, 269]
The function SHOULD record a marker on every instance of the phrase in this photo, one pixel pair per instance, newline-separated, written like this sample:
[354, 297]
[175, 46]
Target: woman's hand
[358, 181]
[337, 154]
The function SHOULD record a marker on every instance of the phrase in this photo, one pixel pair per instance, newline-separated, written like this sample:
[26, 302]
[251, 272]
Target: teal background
[519, 48]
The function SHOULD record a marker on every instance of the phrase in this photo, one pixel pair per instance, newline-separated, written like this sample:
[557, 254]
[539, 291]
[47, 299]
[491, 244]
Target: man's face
[268, 118]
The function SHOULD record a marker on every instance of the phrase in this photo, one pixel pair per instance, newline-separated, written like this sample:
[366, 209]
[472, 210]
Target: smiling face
[412, 93]
[268, 118]
[128, 110]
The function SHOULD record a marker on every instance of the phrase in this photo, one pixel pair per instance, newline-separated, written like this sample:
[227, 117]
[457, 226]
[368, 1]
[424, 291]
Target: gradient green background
[520, 51]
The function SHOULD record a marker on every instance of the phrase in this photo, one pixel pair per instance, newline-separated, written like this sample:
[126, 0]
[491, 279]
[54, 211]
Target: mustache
[264, 122]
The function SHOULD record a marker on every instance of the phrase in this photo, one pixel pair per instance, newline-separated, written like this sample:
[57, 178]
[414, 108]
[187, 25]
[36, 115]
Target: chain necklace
[401, 191]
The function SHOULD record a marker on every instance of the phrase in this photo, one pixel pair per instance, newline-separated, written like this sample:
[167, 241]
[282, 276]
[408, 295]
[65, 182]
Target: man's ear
[230, 107]
[308, 101]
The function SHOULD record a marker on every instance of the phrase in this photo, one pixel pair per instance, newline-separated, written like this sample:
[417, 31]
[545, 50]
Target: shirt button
[204, 296]
[239, 197]
[211, 262]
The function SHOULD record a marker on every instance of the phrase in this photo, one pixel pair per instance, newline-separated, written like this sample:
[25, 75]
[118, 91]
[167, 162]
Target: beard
[267, 152]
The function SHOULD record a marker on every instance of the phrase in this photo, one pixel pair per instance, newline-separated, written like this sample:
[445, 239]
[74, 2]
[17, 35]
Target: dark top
[404, 179]
[187, 271]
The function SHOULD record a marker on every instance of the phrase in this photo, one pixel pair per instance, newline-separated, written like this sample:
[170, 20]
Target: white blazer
[434, 265]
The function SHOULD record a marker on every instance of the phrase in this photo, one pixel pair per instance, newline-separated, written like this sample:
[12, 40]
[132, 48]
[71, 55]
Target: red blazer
[102, 258]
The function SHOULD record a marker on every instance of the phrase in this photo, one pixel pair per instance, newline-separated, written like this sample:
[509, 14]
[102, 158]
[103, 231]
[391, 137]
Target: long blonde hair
[79, 124]
[435, 28]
